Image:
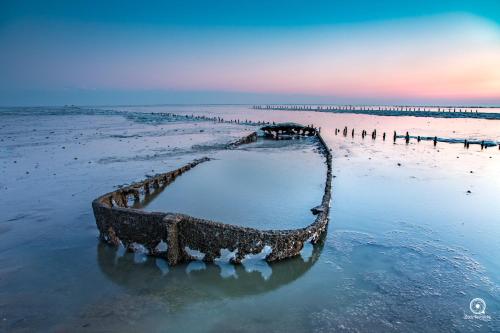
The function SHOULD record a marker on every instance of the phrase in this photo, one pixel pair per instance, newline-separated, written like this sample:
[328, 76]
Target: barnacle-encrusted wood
[276, 130]
[175, 236]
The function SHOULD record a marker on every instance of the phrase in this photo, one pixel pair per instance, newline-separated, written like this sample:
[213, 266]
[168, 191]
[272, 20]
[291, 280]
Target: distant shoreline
[425, 114]
[444, 106]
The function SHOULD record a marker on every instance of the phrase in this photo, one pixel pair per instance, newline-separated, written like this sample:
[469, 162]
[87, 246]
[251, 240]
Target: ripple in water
[403, 282]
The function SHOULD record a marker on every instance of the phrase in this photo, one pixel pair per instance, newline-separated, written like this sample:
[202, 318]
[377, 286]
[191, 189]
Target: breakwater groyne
[352, 132]
[413, 111]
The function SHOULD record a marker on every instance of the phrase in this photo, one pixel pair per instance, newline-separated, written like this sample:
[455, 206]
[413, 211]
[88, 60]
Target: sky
[167, 52]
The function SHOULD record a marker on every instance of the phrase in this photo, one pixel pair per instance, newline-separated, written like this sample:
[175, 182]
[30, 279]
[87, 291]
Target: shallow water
[383, 110]
[260, 185]
[477, 129]
[407, 247]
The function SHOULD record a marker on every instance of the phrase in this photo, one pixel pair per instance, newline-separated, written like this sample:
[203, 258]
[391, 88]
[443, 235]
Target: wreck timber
[174, 236]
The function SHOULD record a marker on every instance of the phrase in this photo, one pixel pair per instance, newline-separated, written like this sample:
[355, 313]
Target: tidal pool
[268, 184]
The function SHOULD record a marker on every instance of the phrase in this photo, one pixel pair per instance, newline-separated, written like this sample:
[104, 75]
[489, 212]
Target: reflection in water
[196, 265]
[162, 265]
[222, 278]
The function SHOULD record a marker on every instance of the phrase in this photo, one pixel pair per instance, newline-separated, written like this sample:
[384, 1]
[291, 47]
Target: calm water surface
[406, 250]
[268, 184]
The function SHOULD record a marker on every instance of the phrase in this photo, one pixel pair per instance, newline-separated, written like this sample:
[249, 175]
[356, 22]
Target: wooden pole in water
[383, 136]
[394, 138]
[407, 138]
[435, 141]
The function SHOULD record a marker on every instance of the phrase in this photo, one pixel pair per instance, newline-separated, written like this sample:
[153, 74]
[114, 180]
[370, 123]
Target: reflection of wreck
[126, 272]
[179, 237]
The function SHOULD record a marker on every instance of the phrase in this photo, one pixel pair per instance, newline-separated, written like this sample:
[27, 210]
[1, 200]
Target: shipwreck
[180, 237]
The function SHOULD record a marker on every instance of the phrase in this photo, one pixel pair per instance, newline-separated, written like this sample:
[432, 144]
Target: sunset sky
[391, 52]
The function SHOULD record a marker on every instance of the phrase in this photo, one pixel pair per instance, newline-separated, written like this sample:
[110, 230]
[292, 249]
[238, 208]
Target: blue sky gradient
[124, 52]
[277, 13]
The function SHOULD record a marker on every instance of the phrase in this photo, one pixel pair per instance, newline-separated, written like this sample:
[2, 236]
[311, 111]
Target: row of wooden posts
[359, 108]
[214, 119]
[364, 133]
[407, 137]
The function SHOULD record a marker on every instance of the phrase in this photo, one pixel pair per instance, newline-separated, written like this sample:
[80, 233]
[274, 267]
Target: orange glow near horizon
[454, 56]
